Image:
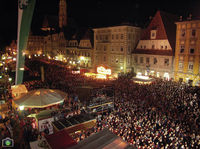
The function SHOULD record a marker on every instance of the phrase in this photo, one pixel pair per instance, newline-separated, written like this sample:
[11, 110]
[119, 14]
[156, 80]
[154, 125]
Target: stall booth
[40, 101]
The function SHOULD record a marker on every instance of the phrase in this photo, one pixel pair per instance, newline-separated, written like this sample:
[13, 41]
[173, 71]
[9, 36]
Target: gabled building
[154, 54]
[187, 56]
[80, 48]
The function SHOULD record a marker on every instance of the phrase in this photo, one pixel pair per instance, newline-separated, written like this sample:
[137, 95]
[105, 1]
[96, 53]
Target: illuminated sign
[104, 71]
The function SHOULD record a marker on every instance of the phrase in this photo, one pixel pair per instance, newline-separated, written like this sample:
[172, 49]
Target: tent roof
[41, 98]
[60, 140]
[103, 139]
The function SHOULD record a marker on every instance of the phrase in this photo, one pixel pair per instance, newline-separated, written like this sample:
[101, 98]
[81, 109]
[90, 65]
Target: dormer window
[153, 34]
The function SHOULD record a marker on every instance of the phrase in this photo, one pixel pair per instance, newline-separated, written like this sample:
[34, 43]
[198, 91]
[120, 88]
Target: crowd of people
[163, 114]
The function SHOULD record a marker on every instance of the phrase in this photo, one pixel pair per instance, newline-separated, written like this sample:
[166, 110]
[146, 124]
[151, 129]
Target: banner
[25, 13]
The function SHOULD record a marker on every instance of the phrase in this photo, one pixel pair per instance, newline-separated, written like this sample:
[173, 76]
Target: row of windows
[192, 33]
[190, 65]
[153, 47]
[79, 53]
[114, 37]
[155, 61]
[104, 48]
[182, 50]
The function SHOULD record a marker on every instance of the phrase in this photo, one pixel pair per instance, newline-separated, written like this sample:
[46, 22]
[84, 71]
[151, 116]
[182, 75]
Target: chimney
[181, 18]
[190, 17]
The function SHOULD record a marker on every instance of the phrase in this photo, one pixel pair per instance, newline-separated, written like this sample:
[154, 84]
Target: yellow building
[113, 47]
[187, 54]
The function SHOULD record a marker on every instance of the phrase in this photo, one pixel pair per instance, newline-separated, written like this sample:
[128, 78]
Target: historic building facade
[113, 47]
[154, 53]
[187, 56]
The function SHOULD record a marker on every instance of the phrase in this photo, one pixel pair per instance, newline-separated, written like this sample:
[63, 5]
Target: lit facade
[35, 45]
[154, 54]
[80, 52]
[187, 56]
[113, 47]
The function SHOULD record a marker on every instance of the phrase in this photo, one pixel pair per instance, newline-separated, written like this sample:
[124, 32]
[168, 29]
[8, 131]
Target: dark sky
[94, 13]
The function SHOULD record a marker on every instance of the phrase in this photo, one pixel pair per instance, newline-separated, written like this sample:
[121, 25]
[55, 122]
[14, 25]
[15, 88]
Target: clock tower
[62, 13]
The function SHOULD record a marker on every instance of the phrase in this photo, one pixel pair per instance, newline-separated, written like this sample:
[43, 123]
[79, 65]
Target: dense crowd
[163, 114]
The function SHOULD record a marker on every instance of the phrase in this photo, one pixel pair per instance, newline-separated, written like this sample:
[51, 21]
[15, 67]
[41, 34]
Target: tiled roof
[165, 25]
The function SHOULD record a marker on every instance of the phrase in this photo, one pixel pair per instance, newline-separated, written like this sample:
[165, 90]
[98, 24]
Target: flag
[25, 13]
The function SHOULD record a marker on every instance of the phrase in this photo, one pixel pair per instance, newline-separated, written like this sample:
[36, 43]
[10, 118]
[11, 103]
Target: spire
[62, 13]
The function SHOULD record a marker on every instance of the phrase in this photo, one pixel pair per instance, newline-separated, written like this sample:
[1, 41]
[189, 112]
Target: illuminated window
[117, 61]
[180, 65]
[153, 34]
[190, 66]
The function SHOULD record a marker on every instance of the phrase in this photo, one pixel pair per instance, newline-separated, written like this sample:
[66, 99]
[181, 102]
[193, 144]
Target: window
[161, 47]
[153, 34]
[136, 59]
[153, 46]
[141, 60]
[191, 51]
[166, 62]
[112, 36]
[183, 33]
[190, 66]
[117, 60]
[155, 61]
[166, 47]
[117, 36]
[180, 65]
[182, 49]
[141, 46]
[144, 47]
[193, 33]
[147, 60]
[122, 49]
[96, 37]
[122, 36]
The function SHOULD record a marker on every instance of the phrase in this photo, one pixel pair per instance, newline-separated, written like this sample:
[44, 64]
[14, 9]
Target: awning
[40, 98]
[60, 140]
[104, 139]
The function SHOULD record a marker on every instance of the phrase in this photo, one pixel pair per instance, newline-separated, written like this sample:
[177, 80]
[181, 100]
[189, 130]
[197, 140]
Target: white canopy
[41, 98]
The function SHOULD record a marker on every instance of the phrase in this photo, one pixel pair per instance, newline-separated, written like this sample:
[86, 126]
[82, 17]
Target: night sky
[94, 13]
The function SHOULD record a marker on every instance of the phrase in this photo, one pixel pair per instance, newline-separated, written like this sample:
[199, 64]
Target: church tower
[62, 13]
